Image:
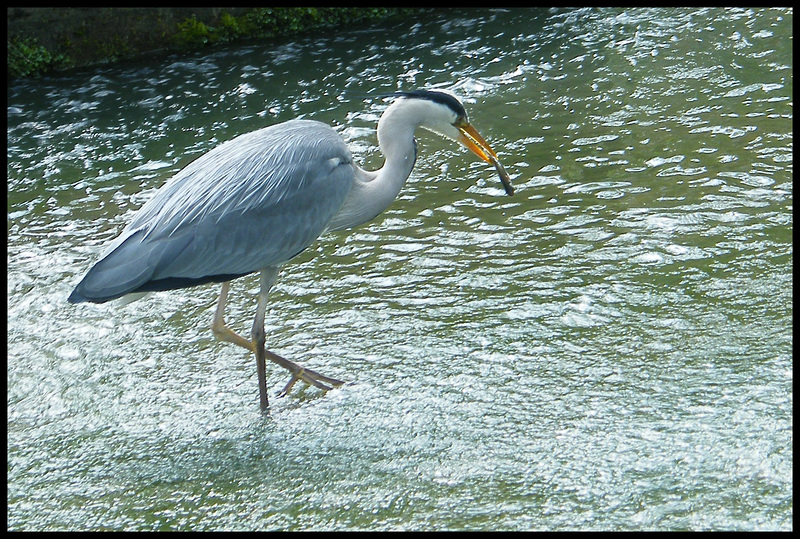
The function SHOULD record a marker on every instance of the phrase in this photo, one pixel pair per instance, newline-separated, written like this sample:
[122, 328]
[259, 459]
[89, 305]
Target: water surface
[608, 349]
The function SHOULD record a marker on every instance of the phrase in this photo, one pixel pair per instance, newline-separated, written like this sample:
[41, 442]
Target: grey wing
[253, 202]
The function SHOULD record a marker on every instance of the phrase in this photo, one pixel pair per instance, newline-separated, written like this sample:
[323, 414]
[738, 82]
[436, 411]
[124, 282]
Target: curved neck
[373, 192]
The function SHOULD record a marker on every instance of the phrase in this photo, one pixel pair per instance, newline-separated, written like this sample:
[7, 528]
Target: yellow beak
[474, 141]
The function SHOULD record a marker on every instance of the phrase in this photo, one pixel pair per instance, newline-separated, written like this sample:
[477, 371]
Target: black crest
[437, 97]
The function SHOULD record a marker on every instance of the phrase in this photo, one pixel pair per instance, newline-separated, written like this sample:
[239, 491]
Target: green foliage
[230, 25]
[193, 32]
[271, 22]
[28, 58]
[81, 45]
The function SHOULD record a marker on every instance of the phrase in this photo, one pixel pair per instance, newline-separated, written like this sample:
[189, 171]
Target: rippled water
[609, 349]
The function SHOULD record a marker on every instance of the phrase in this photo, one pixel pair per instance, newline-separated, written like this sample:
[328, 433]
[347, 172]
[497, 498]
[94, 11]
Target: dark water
[609, 349]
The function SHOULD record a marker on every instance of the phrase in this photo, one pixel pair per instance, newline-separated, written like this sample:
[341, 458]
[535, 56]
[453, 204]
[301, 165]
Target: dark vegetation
[47, 40]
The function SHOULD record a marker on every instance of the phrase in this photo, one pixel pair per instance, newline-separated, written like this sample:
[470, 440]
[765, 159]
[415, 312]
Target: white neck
[373, 192]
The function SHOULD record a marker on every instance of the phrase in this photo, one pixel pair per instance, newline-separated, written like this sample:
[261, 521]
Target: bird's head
[444, 114]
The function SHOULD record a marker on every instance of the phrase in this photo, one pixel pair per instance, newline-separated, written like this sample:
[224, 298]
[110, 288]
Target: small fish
[504, 177]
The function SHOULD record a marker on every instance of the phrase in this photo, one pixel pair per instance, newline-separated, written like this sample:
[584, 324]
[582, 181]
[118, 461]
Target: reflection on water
[610, 349]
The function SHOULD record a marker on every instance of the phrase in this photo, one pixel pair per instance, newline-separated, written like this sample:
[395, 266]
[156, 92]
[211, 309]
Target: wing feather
[253, 202]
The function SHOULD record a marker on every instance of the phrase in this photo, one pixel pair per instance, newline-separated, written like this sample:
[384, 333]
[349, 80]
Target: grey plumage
[222, 216]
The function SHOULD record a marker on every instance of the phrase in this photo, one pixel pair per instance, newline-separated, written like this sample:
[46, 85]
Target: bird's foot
[312, 378]
[301, 373]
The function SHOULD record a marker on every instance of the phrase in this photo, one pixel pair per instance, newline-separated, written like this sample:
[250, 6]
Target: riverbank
[50, 40]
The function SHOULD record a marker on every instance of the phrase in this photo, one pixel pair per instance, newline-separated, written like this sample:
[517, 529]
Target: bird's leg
[259, 335]
[223, 333]
[314, 378]
[261, 369]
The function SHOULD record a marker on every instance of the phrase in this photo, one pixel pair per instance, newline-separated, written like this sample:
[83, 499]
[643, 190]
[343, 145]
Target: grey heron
[255, 202]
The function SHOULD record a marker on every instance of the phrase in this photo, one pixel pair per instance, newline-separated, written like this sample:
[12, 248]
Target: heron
[255, 202]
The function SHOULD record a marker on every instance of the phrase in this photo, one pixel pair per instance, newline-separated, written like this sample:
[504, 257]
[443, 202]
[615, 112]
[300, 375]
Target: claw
[288, 387]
